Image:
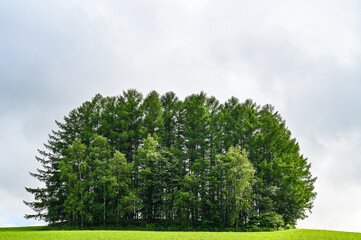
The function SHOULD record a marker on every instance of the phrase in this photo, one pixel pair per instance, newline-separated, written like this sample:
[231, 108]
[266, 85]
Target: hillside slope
[32, 233]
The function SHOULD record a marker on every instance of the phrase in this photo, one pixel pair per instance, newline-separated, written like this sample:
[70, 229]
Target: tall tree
[171, 108]
[153, 111]
[103, 166]
[196, 127]
[121, 173]
[130, 114]
[99, 157]
[73, 173]
[147, 159]
[239, 178]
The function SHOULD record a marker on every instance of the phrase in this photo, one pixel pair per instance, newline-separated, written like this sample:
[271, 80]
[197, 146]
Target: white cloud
[302, 57]
[337, 163]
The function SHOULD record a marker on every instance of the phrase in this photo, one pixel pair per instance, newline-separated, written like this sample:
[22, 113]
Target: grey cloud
[51, 50]
[301, 57]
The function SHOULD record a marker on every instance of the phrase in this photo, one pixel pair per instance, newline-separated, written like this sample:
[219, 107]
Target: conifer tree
[195, 163]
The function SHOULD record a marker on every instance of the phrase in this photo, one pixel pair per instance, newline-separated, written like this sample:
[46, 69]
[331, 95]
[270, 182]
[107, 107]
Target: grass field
[35, 233]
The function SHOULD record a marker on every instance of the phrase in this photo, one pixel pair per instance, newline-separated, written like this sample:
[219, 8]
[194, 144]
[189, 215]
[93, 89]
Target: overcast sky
[303, 57]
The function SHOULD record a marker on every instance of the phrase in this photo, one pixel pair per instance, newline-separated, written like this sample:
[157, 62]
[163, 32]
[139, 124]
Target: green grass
[38, 233]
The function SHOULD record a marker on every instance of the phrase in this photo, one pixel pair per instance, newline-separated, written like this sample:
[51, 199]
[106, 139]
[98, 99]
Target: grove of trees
[160, 161]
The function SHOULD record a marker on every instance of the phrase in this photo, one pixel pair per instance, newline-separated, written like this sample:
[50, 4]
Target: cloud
[302, 57]
[333, 205]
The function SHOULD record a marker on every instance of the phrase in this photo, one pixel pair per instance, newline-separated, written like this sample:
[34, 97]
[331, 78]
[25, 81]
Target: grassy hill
[35, 233]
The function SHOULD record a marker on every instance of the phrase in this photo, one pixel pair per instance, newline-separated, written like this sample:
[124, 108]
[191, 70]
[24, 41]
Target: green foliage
[271, 220]
[163, 163]
[239, 174]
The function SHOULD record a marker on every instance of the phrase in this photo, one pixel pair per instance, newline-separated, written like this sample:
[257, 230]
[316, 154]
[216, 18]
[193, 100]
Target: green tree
[170, 115]
[153, 111]
[196, 126]
[121, 173]
[239, 177]
[281, 170]
[130, 115]
[73, 173]
[196, 170]
[147, 158]
[101, 179]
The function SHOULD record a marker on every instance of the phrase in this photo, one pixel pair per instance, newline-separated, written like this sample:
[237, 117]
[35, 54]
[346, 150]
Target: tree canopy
[195, 164]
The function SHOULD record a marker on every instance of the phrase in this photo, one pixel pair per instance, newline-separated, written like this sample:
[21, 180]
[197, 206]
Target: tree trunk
[118, 208]
[104, 204]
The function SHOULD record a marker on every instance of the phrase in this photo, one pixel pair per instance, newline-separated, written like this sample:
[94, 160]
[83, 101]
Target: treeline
[160, 161]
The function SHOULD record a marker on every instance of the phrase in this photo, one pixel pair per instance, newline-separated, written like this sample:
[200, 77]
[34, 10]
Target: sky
[303, 57]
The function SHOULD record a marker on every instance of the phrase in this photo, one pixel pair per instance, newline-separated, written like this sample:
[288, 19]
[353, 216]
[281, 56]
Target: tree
[196, 127]
[121, 172]
[152, 110]
[239, 178]
[73, 173]
[195, 163]
[101, 180]
[129, 114]
[170, 115]
[147, 159]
